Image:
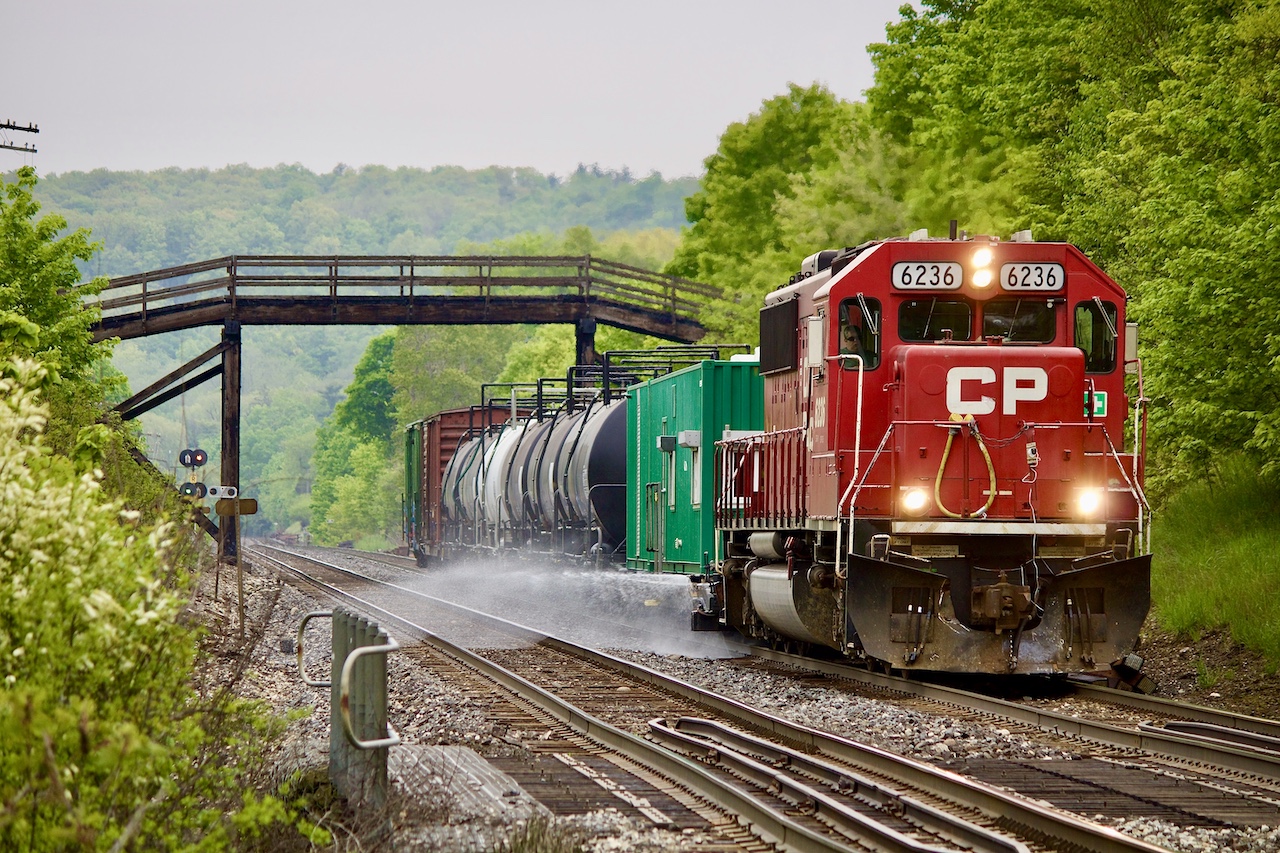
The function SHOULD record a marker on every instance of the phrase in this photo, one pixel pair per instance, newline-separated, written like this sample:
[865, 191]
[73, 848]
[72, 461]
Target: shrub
[103, 742]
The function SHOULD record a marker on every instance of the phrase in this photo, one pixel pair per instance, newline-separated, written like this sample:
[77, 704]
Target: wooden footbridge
[246, 290]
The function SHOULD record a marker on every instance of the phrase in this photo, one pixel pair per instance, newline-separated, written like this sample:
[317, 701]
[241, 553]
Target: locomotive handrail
[857, 429]
[790, 503]
[856, 486]
[854, 497]
[1135, 488]
[857, 438]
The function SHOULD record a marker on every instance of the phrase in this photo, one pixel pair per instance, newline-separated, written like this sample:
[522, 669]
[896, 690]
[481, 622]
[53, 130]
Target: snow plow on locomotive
[943, 481]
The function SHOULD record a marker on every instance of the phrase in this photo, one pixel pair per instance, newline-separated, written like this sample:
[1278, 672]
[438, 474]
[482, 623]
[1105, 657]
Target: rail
[246, 287]
[1165, 741]
[1059, 829]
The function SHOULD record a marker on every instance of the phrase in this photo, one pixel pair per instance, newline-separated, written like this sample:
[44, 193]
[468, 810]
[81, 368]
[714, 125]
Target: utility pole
[26, 147]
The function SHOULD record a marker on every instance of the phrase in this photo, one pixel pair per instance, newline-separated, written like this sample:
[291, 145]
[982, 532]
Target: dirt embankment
[1213, 670]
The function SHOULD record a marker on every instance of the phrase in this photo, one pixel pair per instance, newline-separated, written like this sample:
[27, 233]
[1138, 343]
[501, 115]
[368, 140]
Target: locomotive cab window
[860, 332]
[1020, 320]
[1095, 335]
[921, 320]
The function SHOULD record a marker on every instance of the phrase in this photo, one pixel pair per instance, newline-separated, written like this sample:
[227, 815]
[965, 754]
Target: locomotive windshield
[921, 320]
[1025, 320]
[860, 332]
[1095, 333]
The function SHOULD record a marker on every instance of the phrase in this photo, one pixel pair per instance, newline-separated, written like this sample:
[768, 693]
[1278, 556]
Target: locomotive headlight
[1089, 501]
[915, 501]
[982, 257]
[981, 278]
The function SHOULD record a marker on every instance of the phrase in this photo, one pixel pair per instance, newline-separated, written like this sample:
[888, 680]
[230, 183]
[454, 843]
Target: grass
[1217, 560]
[374, 542]
[541, 836]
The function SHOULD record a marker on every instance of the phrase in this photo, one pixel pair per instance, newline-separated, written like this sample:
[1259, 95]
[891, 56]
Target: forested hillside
[1145, 132]
[294, 376]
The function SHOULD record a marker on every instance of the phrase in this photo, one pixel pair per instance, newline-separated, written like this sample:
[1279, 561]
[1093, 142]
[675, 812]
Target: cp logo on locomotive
[1019, 384]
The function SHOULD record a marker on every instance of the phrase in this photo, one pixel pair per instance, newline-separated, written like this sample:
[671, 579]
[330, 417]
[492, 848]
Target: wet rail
[1144, 735]
[617, 700]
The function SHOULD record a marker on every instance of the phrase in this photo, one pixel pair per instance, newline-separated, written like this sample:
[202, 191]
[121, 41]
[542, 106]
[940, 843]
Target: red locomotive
[944, 481]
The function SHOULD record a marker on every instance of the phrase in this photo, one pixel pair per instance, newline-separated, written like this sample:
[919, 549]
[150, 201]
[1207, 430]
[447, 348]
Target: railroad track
[803, 789]
[1191, 734]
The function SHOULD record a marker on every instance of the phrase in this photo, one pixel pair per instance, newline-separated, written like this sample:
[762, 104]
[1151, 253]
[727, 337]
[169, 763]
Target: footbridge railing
[401, 289]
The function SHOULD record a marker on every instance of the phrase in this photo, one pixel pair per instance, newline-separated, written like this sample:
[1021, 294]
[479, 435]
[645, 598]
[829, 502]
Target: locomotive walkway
[314, 290]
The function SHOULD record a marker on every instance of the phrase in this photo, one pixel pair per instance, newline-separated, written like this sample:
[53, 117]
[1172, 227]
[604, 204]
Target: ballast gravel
[428, 710]
[926, 737]
[424, 811]
[870, 721]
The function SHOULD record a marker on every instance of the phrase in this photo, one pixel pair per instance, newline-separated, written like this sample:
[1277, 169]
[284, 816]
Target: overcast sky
[144, 84]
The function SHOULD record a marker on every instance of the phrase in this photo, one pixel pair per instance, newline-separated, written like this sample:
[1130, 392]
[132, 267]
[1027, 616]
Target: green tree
[334, 449]
[856, 198]
[736, 239]
[41, 314]
[368, 407]
[103, 741]
[443, 367]
[978, 96]
[1190, 211]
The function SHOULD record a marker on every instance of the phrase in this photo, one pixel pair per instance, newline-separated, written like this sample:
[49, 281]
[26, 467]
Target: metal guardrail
[359, 732]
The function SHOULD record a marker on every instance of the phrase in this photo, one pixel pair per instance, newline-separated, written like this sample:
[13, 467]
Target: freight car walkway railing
[401, 289]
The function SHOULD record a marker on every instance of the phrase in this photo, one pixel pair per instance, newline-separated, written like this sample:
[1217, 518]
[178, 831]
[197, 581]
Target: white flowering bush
[103, 742]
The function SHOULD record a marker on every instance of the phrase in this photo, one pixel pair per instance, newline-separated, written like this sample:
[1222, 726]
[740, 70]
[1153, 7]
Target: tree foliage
[103, 741]
[41, 315]
[736, 238]
[1144, 131]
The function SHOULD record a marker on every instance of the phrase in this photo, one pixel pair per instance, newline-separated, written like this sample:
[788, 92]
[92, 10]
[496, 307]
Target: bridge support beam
[585, 341]
[228, 541]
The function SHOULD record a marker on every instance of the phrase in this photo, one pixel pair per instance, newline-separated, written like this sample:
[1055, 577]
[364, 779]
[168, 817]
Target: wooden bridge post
[585, 341]
[229, 542]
